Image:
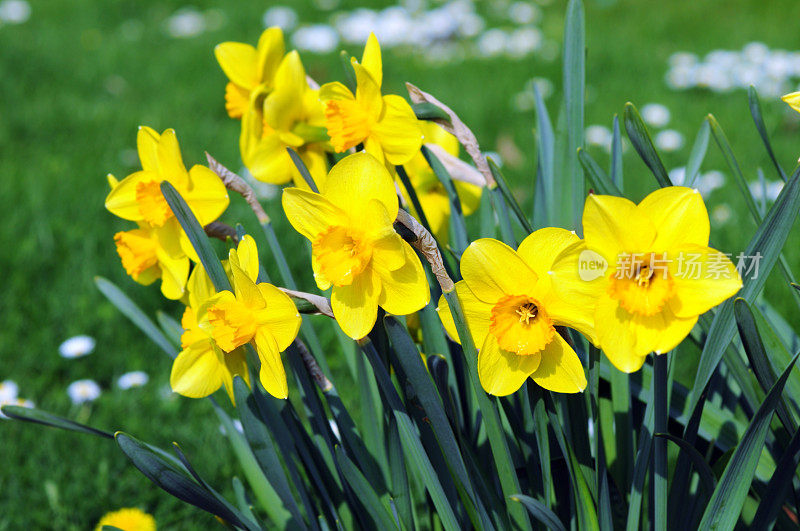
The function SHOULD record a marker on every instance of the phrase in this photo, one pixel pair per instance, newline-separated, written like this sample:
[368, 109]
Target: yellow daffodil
[201, 367]
[257, 313]
[431, 192]
[512, 311]
[659, 276]
[138, 196]
[354, 245]
[150, 253]
[128, 519]
[793, 100]
[386, 125]
[290, 116]
[250, 70]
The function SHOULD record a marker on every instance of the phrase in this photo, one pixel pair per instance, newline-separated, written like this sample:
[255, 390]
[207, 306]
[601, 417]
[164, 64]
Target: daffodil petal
[272, 374]
[239, 62]
[335, 91]
[612, 225]
[793, 100]
[270, 51]
[674, 330]
[361, 176]
[703, 277]
[121, 200]
[356, 306]
[174, 273]
[170, 162]
[281, 316]
[617, 336]
[235, 365]
[469, 195]
[560, 370]
[368, 91]
[540, 248]
[371, 60]
[679, 215]
[207, 195]
[246, 256]
[398, 130]
[476, 312]
[492, 269]
[147, 146]
[245, 289]
[501, 372]
[310, 213]
[197, 371]
[404, 290]
[578, 276]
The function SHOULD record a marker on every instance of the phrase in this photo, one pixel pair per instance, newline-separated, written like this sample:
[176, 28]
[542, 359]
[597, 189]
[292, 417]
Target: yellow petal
[469, 195]
[436, 206]
[540, 249]
[398, 130]
[310, 213]
[237, 100]
[679, 216]
[174, 273]
[270, 50]
[476, 312]
[245, 289]
[121, 200]
[793, 99]
[703, 278]
[371, 60]
[313, 156]
[199, 286]
[206, 196]
[246, 256]
[267, 158]
[560, 369]
[404, 290]
[272, 374]
[372, 145]
[283, 107]
[147, 145]
[335, 91]
[356, 306]
[363, 178]
[281, 317]
[197, 371]
[579, 276]
[675, 330]
[239, 61]
[616, 333]
[170, 162]
[235, 365]
[368, 91]
[502, 372]
[612, 225]
[492, 269]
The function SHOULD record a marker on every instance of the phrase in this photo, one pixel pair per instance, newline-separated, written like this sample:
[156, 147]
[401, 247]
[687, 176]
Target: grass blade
[615, 171]
[661, 415]
[458, 227]
[699, 149]
[730, 158]
[37, 416]
[600, 182]
[643, 144]
[726, 503]
[758, 119]
[778, 487]
[301, 167]
[540, 512]
[364, 492]
[574, 97]
[545, 198]
[129, 309]
[707, 479]
[509, 197]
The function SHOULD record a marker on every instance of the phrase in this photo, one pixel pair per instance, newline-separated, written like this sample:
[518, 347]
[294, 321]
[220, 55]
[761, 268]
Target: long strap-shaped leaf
[37, 416]
[640, 138]
[768, 241]
[758, 119]
[726, 503]
[365, 492]
[540, 511]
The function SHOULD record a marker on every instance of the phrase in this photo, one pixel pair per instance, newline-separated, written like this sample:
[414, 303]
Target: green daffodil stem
[660, 379]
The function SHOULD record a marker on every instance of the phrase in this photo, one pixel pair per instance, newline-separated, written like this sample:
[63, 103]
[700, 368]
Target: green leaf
[458, 227]
[730, 158]
[174, 478]
[429, 111]
[301, 167]
[509, 197]
[263, 449]
[197, 237]
[540, 512]
[365, 492]
[642, 460]
[722, 511]
[697, 155]
[501, 209]
[599, 181]
[130, 310]
[419, 462]
[758, 119]
[768, 241]
[400, 488]
[615, 171]
[574, 97]
[707, 479]
[640, 138]
[171, 327]
[544, 199]
[37, 416]
[661, 418]
[779, 486]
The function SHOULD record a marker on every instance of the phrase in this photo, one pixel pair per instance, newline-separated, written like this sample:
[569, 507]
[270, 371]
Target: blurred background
[79, 76]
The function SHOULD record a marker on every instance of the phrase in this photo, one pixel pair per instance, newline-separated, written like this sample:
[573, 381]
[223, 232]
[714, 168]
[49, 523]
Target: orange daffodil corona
[354, 246]
[512, 313]
[385, 125]
[661, 274]
[159, 248]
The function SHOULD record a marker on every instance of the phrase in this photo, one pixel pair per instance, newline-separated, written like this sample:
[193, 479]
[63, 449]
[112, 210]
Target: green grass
[62, 131]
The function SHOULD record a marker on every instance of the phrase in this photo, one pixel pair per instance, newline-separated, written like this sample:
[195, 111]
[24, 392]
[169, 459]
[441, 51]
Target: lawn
[80, 77]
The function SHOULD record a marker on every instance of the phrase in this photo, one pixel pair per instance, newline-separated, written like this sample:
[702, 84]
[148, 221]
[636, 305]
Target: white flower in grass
[282, 16]
[669, 140]
[599, 135]
[677, 176]
[318, 38]
[186, 23]
[132, 379]
[8, 390]
[76, 347]
[655, 114]
[524, 13]
[721, 214]
[14, 11]
[82, 391]
[709, 181]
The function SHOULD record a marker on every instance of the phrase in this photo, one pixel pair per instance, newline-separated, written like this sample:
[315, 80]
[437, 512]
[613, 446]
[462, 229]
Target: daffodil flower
[793, 100]
[386, 125]
[150, 253]
[256, 313]
[201, 367]
[250, 70]
[290, 116]
[660, 274]
[512, 312]
[429, 189]
[354, 245]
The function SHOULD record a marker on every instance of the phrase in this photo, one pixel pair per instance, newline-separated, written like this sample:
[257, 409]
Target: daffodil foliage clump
[510, 371]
